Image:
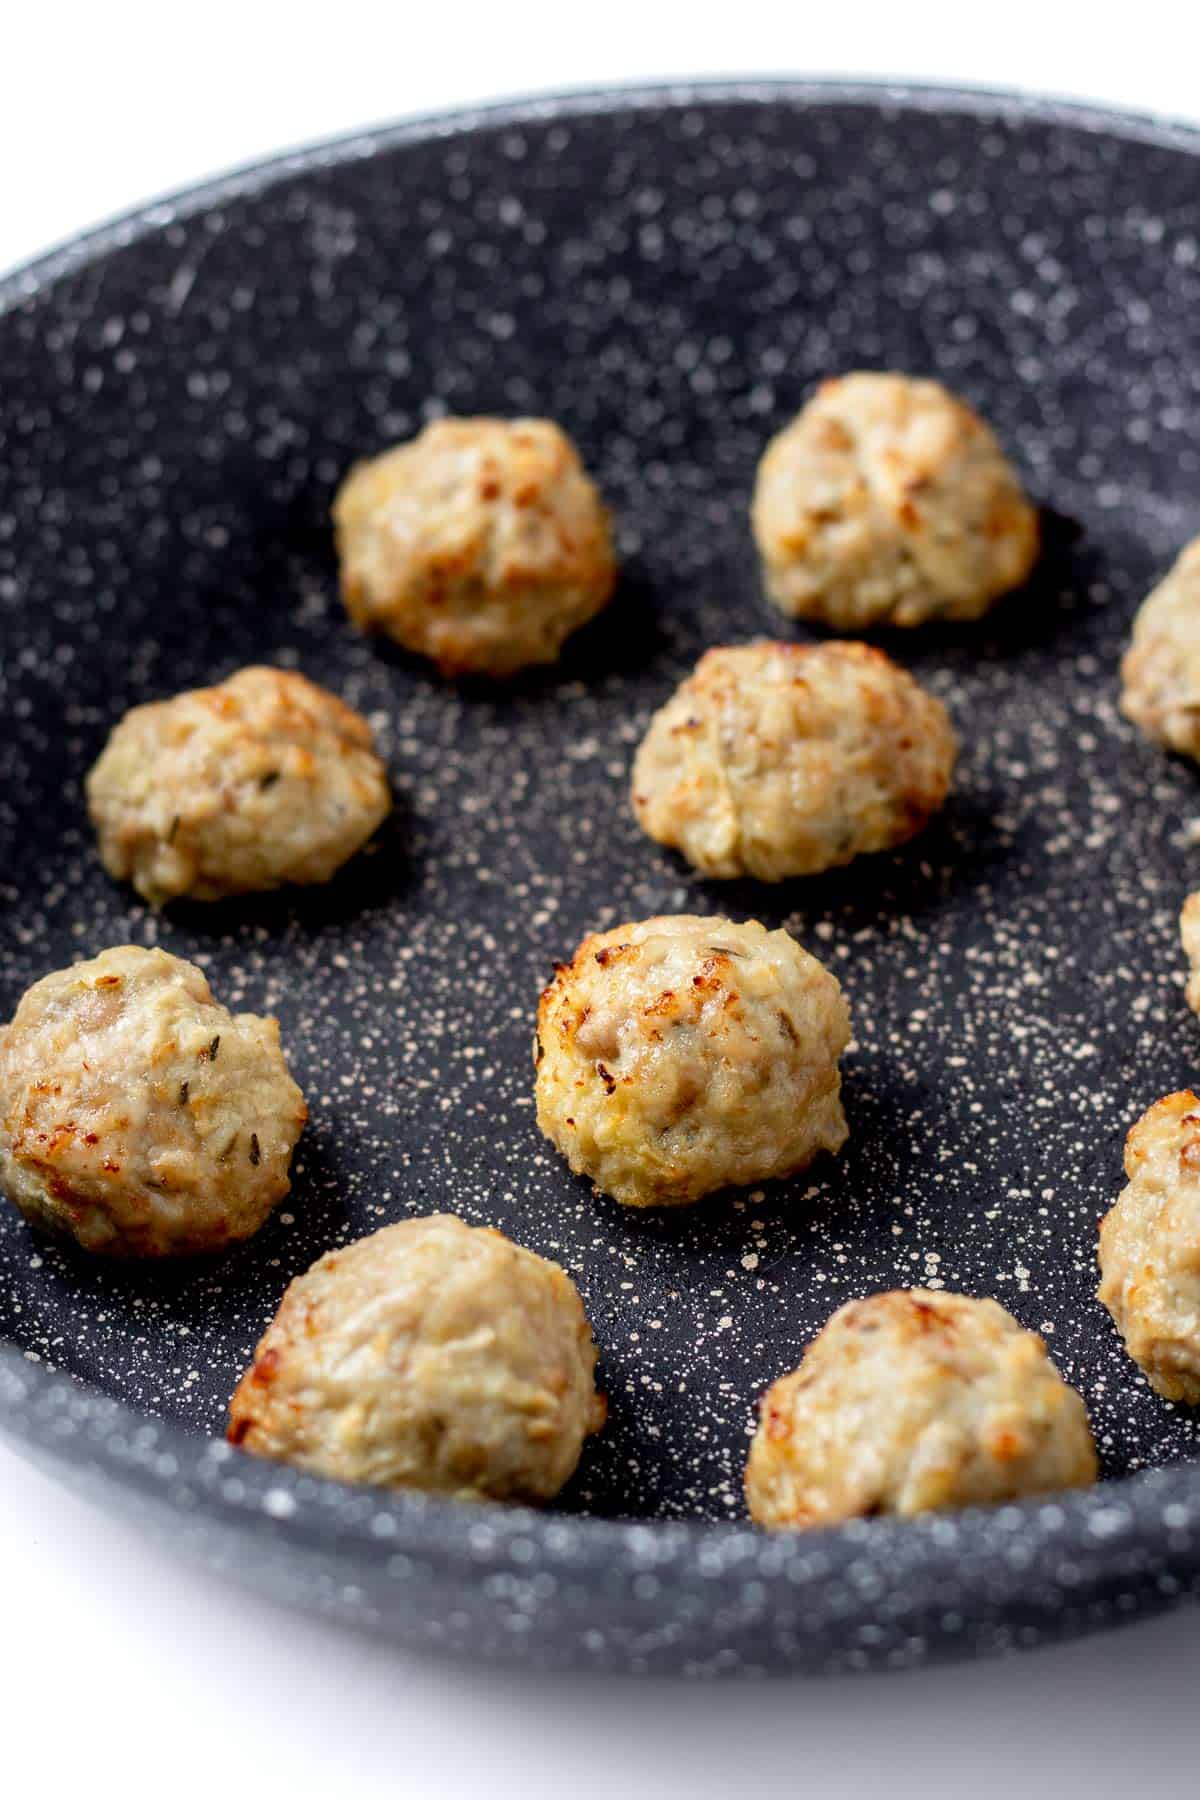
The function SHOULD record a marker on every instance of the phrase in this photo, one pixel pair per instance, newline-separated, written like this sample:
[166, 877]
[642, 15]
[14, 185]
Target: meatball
[1160, 673]
[429, 1355]
[1189, 932]
[680, 1055]
[887, 501]
[137, 1115]
[911, 1402]
[774, 760]
[481, 544]
[1150, 1248]
[264, 780]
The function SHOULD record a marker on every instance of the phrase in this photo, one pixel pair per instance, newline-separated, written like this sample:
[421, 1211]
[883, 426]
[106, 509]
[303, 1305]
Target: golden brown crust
[1189, 934]
[680, 1055]
[888, 501]
[481, 544]
[1160, 672]
[913, 1401]
[776, 760]
[263, 780]
[429, 1355]
[1149, 1248]
[137, 1115]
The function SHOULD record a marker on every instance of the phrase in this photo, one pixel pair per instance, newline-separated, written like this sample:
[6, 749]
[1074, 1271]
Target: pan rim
[1153, 1513]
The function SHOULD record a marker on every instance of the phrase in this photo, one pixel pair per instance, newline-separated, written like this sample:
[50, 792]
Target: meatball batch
[430, 1355]
[1160, 672]
[888, 501]
[482, 544]
[263, 780]
[1150, 1248]
[680, 1055]
[137, 1115]
[915, 1401]
[774, 760]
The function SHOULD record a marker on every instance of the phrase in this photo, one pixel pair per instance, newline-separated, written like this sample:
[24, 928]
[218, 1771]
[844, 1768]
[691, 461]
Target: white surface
[123, 1670]
[120, 1661]
[104, 105]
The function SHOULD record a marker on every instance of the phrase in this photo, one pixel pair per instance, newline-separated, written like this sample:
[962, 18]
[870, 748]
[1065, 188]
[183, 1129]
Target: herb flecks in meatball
[262, 781]
[481, 544]
[911, 1402]
[888, 501]
[680, 1055]
[1150, 1248]
[430, 1355]
[776, 760]
[137, 1115]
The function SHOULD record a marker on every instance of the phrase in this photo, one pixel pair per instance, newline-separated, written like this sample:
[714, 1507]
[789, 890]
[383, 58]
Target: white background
[120, 1668]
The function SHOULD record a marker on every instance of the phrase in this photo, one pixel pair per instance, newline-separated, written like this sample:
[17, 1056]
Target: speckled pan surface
[667, 274]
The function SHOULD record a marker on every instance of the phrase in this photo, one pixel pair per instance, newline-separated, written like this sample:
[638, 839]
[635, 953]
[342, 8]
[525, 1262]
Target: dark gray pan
[667, 273]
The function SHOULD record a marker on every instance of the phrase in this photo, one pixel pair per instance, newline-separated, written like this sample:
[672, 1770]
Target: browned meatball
[429, 1355]
[912, 1401]
[1150, 1248]
[680, 1055]
[481, 544]
[263, 780]
[1160, 674]
[137, 1115]
[776, 760]
[887, 501]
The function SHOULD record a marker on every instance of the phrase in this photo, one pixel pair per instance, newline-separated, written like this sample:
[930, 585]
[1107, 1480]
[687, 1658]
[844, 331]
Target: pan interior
[668, 282]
